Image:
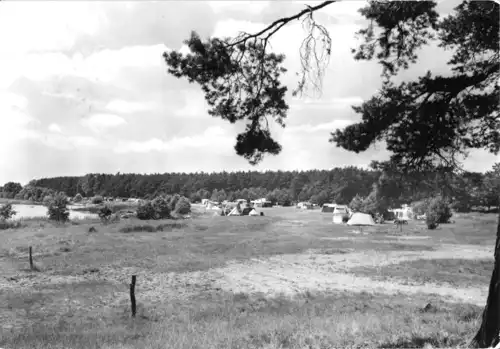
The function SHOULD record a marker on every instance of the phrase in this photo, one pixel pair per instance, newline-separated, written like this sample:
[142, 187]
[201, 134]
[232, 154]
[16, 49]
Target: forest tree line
[339, 185]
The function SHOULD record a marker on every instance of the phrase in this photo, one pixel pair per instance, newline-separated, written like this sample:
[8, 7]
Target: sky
[84, 89]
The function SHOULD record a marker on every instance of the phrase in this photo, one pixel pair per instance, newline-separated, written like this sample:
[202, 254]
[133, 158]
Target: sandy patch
[420, 237]
[295, 274]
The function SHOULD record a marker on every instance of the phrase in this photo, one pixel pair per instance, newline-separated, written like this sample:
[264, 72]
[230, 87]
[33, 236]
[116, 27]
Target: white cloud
[328, 127]
[54, 128]
[214, 139]
[63, 142]
[102, 122]
[195, 106]
[34, 26]
[335, 103]
[104, 66]
[125, 107]
[15, 119]
[247, 6]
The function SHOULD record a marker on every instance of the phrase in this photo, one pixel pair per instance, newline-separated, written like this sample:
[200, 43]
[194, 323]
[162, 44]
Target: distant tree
[218, 195]
[491, 188]
[47, 200]
[420, 207]
[439, 208]
[183, 206]
[356, 204]
[98, 199]
[7, 212]
[146, 211]
[195, 197]
[161, 207]
[78, 198]
[10, 189]
[105, 213]
[173, 201]
[57, 209]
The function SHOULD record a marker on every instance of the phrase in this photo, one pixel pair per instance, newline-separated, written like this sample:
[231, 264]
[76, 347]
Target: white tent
[253, 213]
[234, 212]
[361, 219]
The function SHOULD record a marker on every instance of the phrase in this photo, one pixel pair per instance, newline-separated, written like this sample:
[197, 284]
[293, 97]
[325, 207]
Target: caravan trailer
[403, 214]
[339, 212]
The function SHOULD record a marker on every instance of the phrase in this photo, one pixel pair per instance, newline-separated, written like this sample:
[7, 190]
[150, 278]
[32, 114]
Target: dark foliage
[105, 213]
[57, 209]
[6, 212]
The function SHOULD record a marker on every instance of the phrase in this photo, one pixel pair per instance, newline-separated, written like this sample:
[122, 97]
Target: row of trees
[380, 185]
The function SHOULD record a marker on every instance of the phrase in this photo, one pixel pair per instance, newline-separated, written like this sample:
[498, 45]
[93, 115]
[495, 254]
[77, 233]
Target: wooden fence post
[132, 296]
[31, 258]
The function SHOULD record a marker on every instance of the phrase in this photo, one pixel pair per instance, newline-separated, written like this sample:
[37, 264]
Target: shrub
[105, 213]
[58, 209]
[441, 210]
[96, 200]
[356, 203]
[183, 206]
[4, 224]
[47, 200]
[161, 207]
[420, 207]
[78, 198]
[6, 212]
[138, 228]
[145, 211]
[431, 220]
[173, 201]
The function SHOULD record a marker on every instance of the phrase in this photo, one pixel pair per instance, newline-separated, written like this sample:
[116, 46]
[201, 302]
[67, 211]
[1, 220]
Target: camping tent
[328, 208]
[253, 213]
[361, 220]
[234, 212]
[246, 211]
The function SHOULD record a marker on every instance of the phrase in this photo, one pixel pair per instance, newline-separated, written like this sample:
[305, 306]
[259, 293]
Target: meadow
[289, 279]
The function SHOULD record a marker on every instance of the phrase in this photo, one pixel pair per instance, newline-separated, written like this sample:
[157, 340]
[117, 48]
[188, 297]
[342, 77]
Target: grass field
[289, 279]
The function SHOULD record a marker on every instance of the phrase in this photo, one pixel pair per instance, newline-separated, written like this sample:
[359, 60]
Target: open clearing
[290, 279]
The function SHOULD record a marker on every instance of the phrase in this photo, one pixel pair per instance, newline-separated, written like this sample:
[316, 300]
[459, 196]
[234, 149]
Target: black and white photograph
[238, 174]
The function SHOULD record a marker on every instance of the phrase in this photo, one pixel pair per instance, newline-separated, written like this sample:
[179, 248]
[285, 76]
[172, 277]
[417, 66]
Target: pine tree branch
[279, 23]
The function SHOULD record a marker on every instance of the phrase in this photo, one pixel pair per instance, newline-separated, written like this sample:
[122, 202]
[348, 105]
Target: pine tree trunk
[489, 332]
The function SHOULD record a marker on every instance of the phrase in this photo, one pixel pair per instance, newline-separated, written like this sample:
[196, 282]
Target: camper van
[404, 214]
[339, 212]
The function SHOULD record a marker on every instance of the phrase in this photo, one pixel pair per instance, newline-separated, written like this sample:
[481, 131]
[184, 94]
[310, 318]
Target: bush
[138, 228]
[58, 209]
[173, 201]
[96, 200]
[105, 213]
[7, 212]
[420, 207]
[145, 211]
[47, 200]
[161, 207]
[183, 206]
[4, 224]
[431, 220]
[356, 204]
[440, 210]
[78, 198]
